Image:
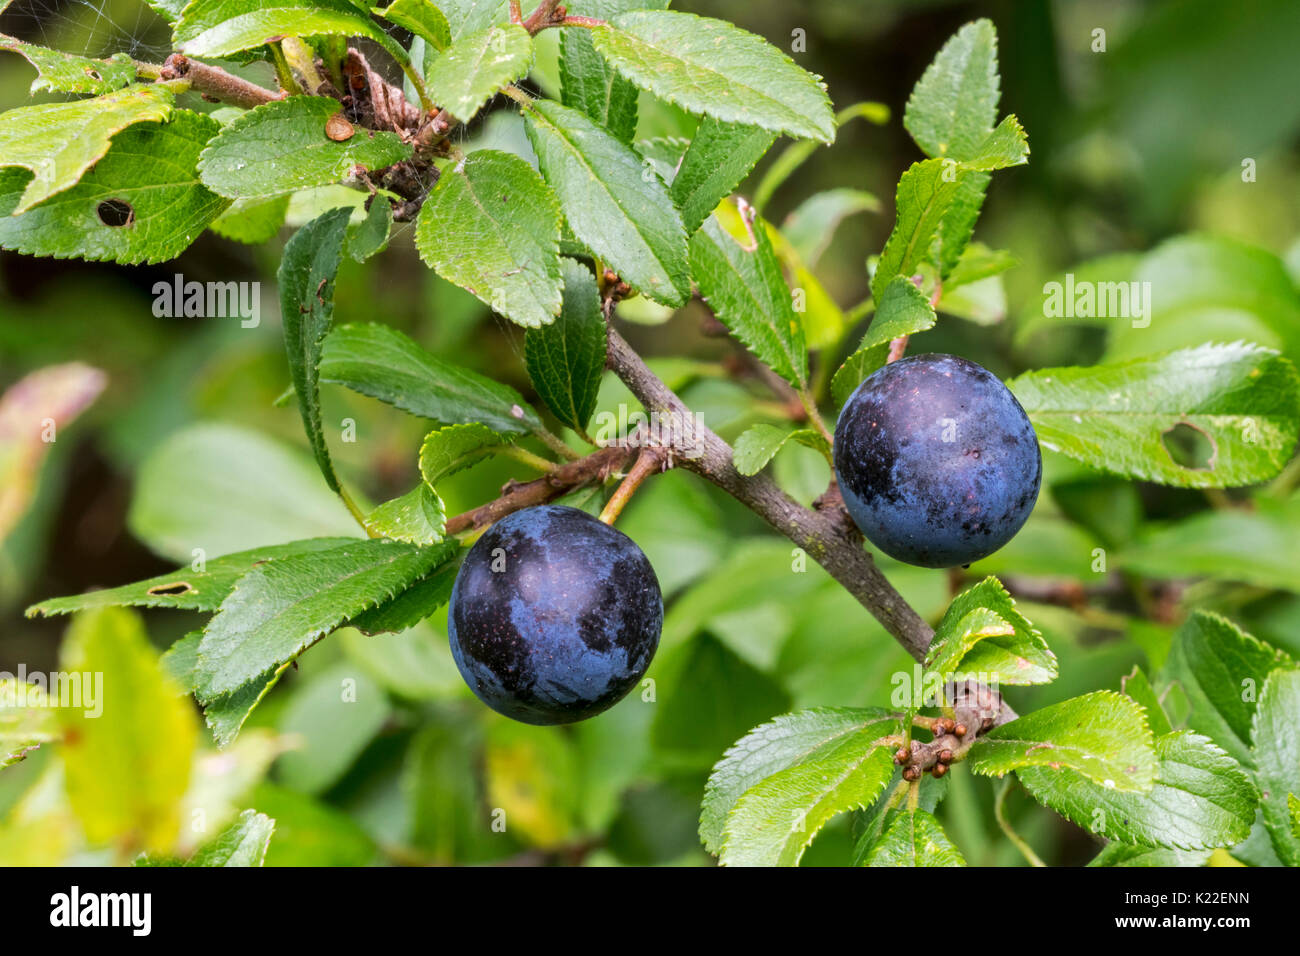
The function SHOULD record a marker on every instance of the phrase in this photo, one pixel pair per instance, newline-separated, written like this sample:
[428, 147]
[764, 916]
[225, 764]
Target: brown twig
[570, 476]
[212, 81]
[828, 537]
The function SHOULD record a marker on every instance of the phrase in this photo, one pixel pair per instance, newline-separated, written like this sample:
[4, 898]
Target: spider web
[97, 28]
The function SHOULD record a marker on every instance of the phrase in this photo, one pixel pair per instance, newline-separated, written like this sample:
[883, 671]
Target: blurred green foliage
[1137, 173]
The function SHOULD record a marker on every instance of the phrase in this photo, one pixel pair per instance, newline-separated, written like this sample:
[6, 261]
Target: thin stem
[828, 536]
[815, 418]
[417, 83]
[1016, 839]
[282, 71]
[213, 81]
[590, 23]
[647, 463]
[914, 794]
[556, 444]
[524, 456]
[356, 512]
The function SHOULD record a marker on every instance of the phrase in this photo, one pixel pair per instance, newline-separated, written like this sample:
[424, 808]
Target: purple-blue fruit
[937, 462]
[554, 616]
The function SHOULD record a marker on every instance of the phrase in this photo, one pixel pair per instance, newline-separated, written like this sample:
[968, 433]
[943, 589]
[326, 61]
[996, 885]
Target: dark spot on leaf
[180, 587]
[1191, 447]
[93, 74]
[116, 213]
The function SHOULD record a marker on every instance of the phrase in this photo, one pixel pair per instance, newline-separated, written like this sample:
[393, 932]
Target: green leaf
[252, 221]
[902, 309]
[306, 279]
[747, 291]
[1136, 686]
[492, 226]
[719, 158]
[774, 821]
[59, 72]
[1103, 735]
[785, 742]
[953, 107]
[914, 838]
[1201, 799]
[225, 714]
[280, 608]
[27, 719]
[759, 445]
[448, 450]
[1121, 854]
[221, 489]
[958, 223]
[417, 602]
[978, 262]
[1221, 671]
[925, 193]
[384, 363]
[243, 843]
[566, 359]
[1006, 146]
[422, 19]
[591, 86]
[615, 205]
[1245, 400]
[142, 201]
[474, 67]
[470, 16]
[983, 633]
[217, 28]
[1277, 759]
[417, 517]
[370, 236]
[811, 227]
[59, 142]
[709, 66]
[188, 588]
[126, 755]
[281, 147]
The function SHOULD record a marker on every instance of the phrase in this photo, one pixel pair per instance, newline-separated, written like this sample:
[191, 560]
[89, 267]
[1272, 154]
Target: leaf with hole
[719, 158]
[59, 72]
[184, 588]
[142, 202]
[1243, 399]
[59, 142]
